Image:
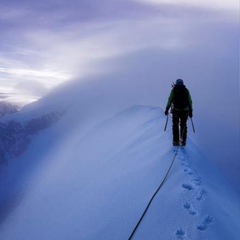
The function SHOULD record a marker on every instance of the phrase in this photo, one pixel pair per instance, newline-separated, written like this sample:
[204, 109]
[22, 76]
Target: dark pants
[179, 118]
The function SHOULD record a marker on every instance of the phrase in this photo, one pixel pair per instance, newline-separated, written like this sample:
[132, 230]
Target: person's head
[179, 82]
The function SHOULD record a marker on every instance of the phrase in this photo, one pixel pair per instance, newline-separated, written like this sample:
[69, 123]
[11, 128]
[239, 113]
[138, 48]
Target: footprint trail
[193, 189]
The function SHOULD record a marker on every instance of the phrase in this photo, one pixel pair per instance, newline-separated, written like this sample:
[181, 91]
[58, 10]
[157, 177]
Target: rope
[146, 209]
[163, 181]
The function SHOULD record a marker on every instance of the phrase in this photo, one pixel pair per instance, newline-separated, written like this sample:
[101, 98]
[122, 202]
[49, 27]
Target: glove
[166, 112]
[190, 113]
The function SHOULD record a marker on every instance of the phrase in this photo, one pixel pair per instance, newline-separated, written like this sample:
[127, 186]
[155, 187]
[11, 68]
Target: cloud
[222, 4]
[31, 87]
[70, 39]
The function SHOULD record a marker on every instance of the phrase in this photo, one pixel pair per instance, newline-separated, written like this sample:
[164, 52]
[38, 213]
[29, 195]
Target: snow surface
[95, 184]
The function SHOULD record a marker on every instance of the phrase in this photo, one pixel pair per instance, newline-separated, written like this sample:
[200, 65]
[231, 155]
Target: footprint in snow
[182, 159]
[185, 165]
[188, 171]
[187, 186]
[197, 181]
[180, 233]
[189, 208]
[201, 194]
[205, 223]
[187, 168]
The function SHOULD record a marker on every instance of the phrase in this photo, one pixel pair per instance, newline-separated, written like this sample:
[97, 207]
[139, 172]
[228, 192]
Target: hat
[179, 82]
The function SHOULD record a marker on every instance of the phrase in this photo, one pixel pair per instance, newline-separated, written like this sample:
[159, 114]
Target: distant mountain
[16, 135]
[7, 108]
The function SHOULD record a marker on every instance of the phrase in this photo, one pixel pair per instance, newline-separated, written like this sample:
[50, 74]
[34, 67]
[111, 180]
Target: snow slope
[78, 185]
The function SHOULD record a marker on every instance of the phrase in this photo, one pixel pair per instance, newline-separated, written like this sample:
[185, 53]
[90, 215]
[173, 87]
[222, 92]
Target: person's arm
[170, 100]
[189, 100]
[190, 105]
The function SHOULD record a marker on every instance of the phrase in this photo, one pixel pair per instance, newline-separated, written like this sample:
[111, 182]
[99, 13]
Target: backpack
[181, 94]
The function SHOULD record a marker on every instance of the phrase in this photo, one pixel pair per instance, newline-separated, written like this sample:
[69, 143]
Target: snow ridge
[96, 186]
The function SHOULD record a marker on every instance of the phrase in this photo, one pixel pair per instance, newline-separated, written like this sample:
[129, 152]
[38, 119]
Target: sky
[136, 48]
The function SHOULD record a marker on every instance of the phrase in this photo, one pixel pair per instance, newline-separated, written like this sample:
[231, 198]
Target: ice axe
[192, 125]
[166, 124]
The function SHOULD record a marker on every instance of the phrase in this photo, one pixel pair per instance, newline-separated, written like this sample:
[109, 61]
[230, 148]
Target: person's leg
[183, 127]
[175, 128]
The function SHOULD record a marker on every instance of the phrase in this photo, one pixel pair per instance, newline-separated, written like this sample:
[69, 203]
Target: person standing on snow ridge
[181, 103]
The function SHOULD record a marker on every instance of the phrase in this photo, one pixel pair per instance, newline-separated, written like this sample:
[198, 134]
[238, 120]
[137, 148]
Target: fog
[129, 52]
[145, 77]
